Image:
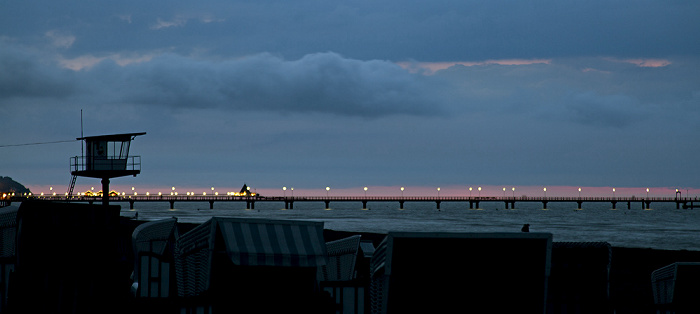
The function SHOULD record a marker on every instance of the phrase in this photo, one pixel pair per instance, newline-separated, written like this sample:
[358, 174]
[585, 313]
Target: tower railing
[81, 163]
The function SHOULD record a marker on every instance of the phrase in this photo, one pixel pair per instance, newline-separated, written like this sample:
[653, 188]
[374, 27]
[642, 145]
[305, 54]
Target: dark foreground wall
[78, 259]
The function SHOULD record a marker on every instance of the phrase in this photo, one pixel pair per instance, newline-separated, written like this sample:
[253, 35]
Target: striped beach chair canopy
[273, 242]
[247, 242]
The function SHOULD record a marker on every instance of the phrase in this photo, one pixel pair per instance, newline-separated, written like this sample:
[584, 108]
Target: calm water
[662, 227]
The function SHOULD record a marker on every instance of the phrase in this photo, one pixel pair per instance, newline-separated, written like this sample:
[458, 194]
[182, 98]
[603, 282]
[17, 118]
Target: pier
[471, 202]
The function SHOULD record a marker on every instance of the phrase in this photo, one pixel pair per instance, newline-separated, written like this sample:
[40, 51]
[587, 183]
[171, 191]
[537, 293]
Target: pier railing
[685, 202]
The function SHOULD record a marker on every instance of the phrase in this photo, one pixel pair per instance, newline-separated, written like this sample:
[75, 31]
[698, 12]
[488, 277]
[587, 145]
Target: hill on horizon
[9, 185]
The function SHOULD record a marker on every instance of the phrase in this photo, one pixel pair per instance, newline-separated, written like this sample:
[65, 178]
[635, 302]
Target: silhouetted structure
[106, 156]
[67, 259]
[416, 272]
[8, 239]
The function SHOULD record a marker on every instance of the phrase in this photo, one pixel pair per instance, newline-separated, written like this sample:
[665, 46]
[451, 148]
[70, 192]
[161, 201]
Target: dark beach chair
[154, 271]
[230, 265]
[68, 259]
[416, 272]
[8, 236]
[676, 288]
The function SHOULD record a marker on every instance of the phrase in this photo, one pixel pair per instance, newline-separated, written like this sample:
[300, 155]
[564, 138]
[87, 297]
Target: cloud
[594, 92]
[160, 24]
[60, 39]
[430, 68]
[88, 61]
[23, 75]
[445, 30]
[323, 82]
[320, 83]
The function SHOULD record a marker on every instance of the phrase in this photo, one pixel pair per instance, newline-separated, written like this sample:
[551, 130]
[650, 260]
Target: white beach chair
[676, 287]
[153, 244]
[342, 255]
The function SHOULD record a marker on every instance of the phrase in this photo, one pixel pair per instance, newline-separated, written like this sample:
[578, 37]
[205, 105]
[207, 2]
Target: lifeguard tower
[106, 156]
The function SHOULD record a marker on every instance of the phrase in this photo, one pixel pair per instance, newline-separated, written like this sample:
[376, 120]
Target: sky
[347, 94]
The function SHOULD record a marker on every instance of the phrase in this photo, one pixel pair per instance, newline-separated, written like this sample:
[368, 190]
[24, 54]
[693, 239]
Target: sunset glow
[430, 68]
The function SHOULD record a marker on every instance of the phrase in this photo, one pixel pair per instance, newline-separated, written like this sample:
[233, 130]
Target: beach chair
[339, 276]
[342, 255]
[8, 235]
[230, 264]
[579, 281]
[154, 273]
[422, 272]
[676, 287]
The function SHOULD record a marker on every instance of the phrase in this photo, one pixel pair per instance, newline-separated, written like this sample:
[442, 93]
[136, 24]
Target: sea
[660, 227]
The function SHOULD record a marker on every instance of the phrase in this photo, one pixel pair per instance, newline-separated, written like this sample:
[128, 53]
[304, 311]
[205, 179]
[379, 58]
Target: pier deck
[471, 201]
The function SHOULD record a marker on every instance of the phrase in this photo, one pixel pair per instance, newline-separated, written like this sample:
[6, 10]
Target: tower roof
[112, 137]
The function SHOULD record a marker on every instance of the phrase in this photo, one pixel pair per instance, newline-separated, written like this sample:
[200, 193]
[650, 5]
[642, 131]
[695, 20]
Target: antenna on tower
[82, 153]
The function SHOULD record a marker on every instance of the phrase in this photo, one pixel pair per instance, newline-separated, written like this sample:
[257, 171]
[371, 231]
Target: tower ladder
[72, 185]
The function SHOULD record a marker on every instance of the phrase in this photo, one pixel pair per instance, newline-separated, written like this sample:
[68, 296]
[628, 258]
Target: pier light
[402, 188]
[204, 193]
[365, 191]
[613, 192]
[470, 191]
[216, 193]
[51, 188]
[284, 190]
[513, 191]
[148, 194]
[504, 192]
[647, 192]
[438, 190]
[579, 192]
[479, 191]
[292, 189]
[545, 191]
[327, 189]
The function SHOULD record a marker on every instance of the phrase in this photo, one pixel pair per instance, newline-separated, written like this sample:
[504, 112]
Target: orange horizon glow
[644, 63]
[430, 68]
